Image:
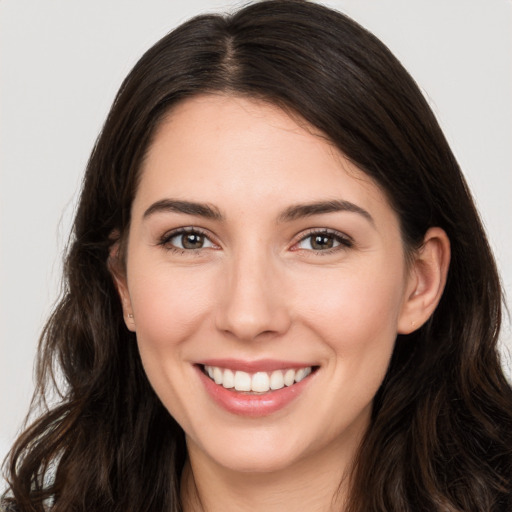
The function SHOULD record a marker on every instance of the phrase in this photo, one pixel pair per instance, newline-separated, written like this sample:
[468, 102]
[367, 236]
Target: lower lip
[244, 404]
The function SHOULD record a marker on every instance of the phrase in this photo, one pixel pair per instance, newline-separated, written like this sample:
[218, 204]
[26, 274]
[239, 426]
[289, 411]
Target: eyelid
[345, 241]
[165, 239]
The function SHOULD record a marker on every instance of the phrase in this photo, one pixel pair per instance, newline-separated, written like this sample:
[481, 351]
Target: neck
[316, 486]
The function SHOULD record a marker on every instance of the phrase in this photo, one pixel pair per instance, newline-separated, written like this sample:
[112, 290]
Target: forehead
[212, 148]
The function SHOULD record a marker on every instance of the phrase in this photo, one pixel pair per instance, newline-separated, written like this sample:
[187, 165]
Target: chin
[254, 453]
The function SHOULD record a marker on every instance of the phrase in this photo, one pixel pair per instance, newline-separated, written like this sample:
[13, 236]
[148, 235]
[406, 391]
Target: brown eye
[323, 241]
[188, 239]
[320, 242]
[192, 241]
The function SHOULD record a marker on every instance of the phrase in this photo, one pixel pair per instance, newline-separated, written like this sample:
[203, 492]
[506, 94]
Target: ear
[426, 281]
[118, 272]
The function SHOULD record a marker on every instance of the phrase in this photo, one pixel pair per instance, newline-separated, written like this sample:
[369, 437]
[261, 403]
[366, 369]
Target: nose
[252, 303]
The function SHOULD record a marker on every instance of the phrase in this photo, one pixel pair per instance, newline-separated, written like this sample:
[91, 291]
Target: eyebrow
[291, 213]
[187, 207]
[309, 209]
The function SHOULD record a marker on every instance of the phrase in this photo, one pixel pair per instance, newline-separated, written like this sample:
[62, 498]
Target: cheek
[169, 307]
[168, 304]
[355, 310]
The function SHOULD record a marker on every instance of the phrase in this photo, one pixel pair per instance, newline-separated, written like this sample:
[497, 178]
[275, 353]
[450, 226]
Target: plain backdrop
[61, 63]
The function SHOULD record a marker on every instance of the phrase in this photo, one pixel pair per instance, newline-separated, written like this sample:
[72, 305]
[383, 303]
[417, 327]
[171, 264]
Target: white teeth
[299, 375]
[289, 377]
[259, 382]
[302, 373]
[217, 375]
[277, 380]
[242, 381]
[228, 380]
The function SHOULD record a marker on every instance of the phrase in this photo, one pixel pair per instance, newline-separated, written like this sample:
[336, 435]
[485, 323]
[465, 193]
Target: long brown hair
[440, 438]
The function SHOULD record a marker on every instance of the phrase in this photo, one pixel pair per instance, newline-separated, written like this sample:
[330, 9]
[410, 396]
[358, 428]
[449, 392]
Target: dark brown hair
[441, 432]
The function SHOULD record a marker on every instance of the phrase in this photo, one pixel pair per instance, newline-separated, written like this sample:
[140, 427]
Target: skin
[257, 289]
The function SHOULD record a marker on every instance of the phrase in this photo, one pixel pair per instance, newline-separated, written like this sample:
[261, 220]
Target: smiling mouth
[258, 382]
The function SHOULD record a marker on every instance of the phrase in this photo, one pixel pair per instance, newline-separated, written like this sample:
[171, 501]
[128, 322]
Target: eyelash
[344, 242]
[165, 240]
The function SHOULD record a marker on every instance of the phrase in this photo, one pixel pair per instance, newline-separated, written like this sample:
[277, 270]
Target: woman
[279, 293]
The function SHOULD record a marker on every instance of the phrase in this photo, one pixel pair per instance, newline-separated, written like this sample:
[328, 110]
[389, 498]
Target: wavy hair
[440, 435]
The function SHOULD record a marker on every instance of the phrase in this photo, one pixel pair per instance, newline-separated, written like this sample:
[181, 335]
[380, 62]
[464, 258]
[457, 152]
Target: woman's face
[258, 253]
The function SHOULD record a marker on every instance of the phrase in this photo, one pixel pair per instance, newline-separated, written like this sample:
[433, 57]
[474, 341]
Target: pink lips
[248, 404]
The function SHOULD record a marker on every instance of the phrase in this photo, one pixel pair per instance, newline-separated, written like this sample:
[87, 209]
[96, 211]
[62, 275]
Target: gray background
[62, 62]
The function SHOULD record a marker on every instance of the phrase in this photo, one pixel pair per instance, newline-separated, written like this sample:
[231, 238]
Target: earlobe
[118, 273]
[426, 281]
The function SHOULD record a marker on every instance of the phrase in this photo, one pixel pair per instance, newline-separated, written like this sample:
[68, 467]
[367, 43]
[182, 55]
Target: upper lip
[261, 365]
